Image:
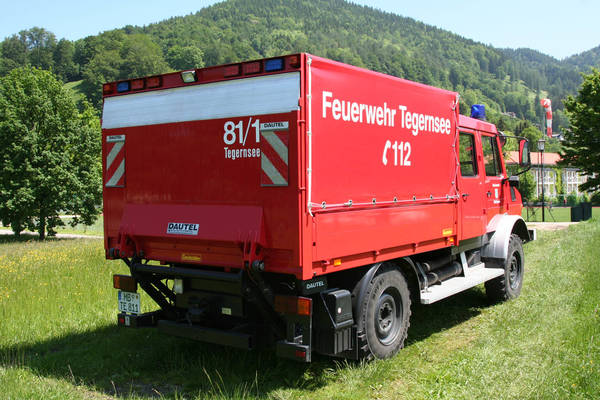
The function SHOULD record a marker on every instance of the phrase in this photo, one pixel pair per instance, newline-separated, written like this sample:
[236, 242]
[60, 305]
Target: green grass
[75, 90]
[554, 214]
[58, 338]
[96, 229]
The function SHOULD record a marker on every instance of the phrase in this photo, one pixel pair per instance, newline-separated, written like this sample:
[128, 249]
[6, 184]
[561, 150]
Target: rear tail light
[293, 305]
[125, 283]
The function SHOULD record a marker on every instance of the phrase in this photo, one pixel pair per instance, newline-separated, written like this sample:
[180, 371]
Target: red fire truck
[302, 203]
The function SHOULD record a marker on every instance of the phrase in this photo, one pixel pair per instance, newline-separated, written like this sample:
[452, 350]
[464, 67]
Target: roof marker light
[188, 76]
[294, 61]
[251, 68]
[153, 81]
[107, 88]
[274, 64]
[231, 70]
[123, 86]
[137, 84]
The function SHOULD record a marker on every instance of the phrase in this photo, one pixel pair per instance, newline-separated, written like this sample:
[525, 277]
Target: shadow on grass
[144, 362]
[30, 237]
[429, 319]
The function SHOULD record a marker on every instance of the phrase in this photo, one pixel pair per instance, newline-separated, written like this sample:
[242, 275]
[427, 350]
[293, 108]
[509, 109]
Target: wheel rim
[514, 271]
[388, 316]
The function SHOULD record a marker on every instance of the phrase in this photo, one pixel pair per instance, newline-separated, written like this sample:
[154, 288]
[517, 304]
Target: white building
[571, 177]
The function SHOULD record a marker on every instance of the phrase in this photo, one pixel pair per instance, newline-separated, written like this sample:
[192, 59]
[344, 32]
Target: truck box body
[197, 155]
[279, 194]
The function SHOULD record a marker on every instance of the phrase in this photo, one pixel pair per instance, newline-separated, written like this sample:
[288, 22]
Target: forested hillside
[586, 59]
[508, 81]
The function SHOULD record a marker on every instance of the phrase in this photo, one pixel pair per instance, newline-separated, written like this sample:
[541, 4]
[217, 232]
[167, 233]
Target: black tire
[508, 286]
[385, 313]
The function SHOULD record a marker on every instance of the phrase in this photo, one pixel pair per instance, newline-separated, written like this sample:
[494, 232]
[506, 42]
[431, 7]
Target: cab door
[471, 186]
[492, 168]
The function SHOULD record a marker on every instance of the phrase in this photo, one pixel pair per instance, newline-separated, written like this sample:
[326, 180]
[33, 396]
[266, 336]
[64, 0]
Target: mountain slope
[583, 61]
[508, 81]
[236, 30]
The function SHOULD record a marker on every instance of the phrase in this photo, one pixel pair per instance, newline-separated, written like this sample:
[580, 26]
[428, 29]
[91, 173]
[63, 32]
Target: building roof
[512, 157]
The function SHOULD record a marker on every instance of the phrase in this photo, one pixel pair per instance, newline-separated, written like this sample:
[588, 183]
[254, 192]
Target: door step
[473, 276]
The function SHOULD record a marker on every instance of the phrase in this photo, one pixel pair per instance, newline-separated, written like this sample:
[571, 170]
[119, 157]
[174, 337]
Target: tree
[527, 186]
[533, 135]
[64, 66]
[119, 56]
[185, 57]
[41, 44]
[14, 53]
[50, 154]
[582, 141]
[141, 56]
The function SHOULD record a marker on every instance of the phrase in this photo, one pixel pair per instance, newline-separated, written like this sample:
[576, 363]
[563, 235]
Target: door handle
[465, 195]
[489, 194]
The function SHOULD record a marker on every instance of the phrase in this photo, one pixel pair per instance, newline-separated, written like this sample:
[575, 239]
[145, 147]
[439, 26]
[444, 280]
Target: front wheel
[508, 286]
[386, 313]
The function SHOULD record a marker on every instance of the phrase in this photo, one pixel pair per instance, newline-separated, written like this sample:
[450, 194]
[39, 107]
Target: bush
[584, 198]
[595, 199]
[572, 199]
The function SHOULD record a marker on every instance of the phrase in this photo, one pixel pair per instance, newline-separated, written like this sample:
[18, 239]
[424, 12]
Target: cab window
[466, 146]
[491, 157]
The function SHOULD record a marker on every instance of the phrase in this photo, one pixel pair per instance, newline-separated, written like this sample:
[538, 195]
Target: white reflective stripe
[277, 145]
[268, 94]
[269, 169]
[113, 153]
[117, 175]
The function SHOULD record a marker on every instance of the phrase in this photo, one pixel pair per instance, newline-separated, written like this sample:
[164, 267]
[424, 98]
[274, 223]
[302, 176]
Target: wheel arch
[501, 228]
[405, 265]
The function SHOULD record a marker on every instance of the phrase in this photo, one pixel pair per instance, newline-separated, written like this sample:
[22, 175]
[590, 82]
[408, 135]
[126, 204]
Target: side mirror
[502, 138]
[524, 156]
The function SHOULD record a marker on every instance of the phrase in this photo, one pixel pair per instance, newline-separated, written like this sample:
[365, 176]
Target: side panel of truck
[384, 166]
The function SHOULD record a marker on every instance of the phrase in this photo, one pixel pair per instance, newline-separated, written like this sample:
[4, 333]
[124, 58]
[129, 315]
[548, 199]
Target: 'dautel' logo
[181, 228]
[314, 285]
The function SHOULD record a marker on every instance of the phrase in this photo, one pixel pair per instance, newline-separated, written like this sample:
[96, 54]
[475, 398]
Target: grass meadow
[59, 339]
[553, 214]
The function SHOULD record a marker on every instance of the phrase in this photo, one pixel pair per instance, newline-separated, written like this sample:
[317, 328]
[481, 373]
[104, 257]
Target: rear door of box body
[193, 174]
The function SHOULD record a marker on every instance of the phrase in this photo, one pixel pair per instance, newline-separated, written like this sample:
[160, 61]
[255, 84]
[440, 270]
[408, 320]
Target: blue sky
[558, 28]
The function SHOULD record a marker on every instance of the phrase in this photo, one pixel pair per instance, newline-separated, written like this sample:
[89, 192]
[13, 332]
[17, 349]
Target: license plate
[129, 302]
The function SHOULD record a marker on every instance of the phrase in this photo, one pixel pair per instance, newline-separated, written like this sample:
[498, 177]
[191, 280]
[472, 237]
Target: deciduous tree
[50, 160]
[582, 141]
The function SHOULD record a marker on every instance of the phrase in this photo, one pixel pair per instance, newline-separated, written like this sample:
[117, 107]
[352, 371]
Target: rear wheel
[386, 313]
[508, 286]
